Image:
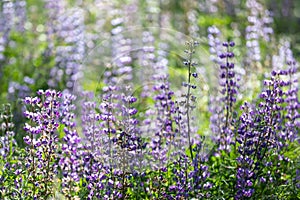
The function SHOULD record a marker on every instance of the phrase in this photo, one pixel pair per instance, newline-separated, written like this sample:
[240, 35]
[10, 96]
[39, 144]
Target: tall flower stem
[188, 103]
[189, 62]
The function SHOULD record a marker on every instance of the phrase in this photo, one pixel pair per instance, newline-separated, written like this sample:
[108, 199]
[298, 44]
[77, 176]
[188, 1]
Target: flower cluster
[121, 69]
[271, 107]
[293, 105]
[215, 44]
[7, 16]
[226, 116]
[12, 18]
[248, 138]
[54, 10]
[21, 15]
[264, 133]
[129, 139]
[70, 161]
[43, 114]
[259, 27]
[69, 54]
[161, 129]
[93, 171]
[285, 65]
[7, 133]
[9, 169]
[147, 63]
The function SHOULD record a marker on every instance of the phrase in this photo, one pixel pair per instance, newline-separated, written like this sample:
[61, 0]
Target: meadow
[149, 99]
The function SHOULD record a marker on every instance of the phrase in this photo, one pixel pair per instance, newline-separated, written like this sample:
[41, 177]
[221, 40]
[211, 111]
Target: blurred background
[76, 45]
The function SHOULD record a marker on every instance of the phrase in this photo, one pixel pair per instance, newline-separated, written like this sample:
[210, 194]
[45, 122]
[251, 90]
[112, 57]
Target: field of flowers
[149, 99]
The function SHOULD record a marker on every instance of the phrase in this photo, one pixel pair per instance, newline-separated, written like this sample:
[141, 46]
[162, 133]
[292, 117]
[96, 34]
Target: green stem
[191, 49]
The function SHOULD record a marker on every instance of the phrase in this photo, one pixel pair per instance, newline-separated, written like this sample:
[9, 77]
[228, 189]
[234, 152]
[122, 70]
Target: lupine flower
[279, 60]
[223, 118]
[70, 161]
[181, 187]
[68, 59]
[7, 134]
[9, 170]
[215, 49]
[17, 90]
[54, 10]
[253, 31]
[248, 138]
[43, 113]
[21, 15]
[7, 16]
[129, 139]
[287, 66]
[93, 170]
[153, 57]
[200, 172]
[272, 106]
[209, 6]
[293, 105]
[109, 150]
[160, 91]
[258, 27]
[193, 28]
[103, 163]
[158, 127]
[162, 125]
[264, 132]
[147, 62]
[121, 71]
[130, 145]
[215, 44]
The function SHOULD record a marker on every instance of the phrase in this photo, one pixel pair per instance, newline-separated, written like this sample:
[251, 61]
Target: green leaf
[60, 130]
